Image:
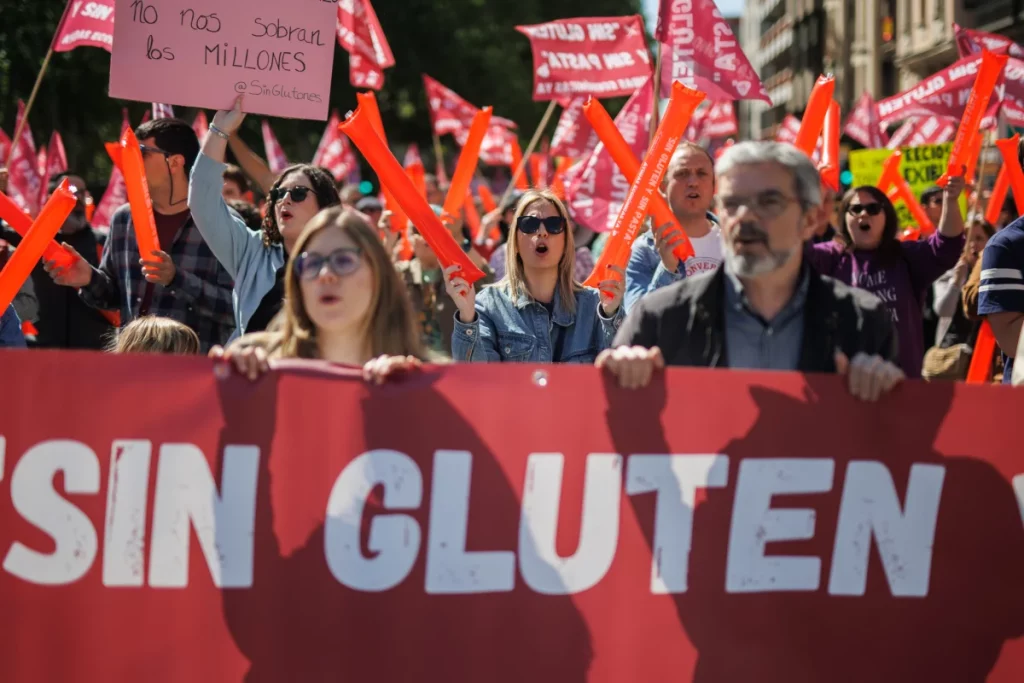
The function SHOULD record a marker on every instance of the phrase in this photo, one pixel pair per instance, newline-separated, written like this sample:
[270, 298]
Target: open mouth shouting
[541, 248]
[286, 214]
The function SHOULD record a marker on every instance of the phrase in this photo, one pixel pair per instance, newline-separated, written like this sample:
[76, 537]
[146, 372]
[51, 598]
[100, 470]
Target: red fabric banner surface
[334, 151]
[717, 526]
[86, 24]
[863, 125]
[599, 56]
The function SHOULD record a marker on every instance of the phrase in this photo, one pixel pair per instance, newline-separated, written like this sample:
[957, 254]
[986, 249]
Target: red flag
[334, 151]
[496, 149]
[971, 42]
[928, 130]
[599, 56]
[412, 156]
[701, 51]
[116, 194]
[788, 130]
[201, 126]
[276, 159]
[450, 113]
[56, 162]
[942, 94]
[162, 111]
[863, 125]
[86, 24]
[25, 181]
[596, 189]
[360, 33]
[41, 163]
[574, 136]
[5, 147]
[719, 121]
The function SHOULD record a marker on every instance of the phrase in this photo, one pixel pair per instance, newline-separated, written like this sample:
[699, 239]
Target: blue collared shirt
[754, 343]
[522, 330]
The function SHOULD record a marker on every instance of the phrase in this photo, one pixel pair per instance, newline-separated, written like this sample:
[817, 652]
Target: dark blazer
[686, 320]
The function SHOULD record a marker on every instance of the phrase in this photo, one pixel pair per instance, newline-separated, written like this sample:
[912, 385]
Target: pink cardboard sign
[203, 54]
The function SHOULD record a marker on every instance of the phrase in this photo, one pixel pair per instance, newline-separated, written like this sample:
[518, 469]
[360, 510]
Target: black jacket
[65, 321]
[686, 320]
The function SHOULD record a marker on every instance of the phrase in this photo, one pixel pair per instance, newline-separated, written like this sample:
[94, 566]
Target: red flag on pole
[334, 151]
[361, 35]
[25, 181]
[574, 136]
[599, 56]
[719, 121]
[597, 189]
[116, 194]
[863, 124]
[944, 93]
[5, 147]
[700, 51]
[451, 113]
[971, 42]
[276, 159]
[926, 130]
[56, 163]
[86, 24]
[162, 111]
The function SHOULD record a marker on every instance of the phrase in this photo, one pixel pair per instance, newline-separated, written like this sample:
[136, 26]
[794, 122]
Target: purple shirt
[901, 285]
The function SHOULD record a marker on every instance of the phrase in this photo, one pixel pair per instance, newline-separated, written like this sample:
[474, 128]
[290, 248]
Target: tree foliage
[469, 45]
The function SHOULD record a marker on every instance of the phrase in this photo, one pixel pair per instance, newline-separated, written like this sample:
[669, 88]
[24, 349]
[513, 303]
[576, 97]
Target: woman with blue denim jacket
[538, 313]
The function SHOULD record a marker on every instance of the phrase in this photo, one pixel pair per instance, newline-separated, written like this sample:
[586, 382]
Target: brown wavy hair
[324, 191]
[515, 275]
[391, 328]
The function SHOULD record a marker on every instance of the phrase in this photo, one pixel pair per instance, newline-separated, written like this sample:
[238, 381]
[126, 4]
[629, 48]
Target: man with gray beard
[765, 308]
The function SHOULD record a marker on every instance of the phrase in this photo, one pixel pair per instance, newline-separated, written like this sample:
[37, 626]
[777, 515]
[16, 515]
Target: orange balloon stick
[368, 103]
[22, 223]
[1008, 148]
[998, 198]
[980, 370]
[829, 167]
[645, 185]
[487, 199]
[138, 196]
[989, 70]
[465, 169]
[52, 216]
[517, 158]
[893, 183]
[472, 215]
[814, 115]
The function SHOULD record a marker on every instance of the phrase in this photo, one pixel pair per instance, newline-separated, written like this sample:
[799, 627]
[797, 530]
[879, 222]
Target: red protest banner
[361, 35]
[56, 163]
[574, 136]
[597, 190]
[701, 52]
[863, 125]
[693, 531]
[450, 113]
[971, 42]
[944, 93]
[334, 151]
[929, 130]
[86, 24]
[24, 183]
[599, 56]
[276, 158]
[719, 121]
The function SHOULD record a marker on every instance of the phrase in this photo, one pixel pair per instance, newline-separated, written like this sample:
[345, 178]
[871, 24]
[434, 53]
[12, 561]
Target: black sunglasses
[298, 194]
[872, 209]
[531, 224]
[341, 262]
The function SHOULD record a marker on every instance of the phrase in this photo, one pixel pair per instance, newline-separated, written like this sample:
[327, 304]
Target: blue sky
[728, 8]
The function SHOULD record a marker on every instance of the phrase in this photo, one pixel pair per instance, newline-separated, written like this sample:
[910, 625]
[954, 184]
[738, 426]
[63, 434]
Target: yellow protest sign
[921, 168]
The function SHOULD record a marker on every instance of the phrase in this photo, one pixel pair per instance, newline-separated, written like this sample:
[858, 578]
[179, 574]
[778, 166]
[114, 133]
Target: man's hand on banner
[633, 366]
[870, 377]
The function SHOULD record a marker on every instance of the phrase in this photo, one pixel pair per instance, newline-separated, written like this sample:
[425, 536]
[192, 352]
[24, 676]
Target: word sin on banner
[204, 55]
[86, 24]
[599, 56]
[673, 533]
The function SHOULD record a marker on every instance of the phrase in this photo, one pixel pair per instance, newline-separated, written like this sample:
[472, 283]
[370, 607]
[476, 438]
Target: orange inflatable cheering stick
[989, 70]
[138, 196]
[522, 183]
[360, 131]
[487, 199]
[830, 159]
[1011, 164]
[645, 185]
[623, 156]
[368, 103]
[465, 169]
[998, 197]
[892, 183]
[22, 223]
[472, 215]
[814, 114]
[980, 370]
[37, 239]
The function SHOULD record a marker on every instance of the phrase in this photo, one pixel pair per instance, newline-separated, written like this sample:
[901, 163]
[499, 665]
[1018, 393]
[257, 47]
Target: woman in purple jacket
[868, 254]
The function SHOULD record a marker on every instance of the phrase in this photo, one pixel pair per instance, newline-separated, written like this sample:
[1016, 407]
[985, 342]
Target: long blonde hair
[515, 275]
[390, 329]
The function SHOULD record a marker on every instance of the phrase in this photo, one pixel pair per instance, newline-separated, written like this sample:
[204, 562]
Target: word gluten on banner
[717, 526]
[204, 55]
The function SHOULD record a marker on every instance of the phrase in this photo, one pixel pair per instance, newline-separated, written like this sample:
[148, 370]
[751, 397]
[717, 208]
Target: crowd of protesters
[778, 279]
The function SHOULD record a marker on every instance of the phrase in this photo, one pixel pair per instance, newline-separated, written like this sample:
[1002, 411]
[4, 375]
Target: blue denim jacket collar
[561, 316]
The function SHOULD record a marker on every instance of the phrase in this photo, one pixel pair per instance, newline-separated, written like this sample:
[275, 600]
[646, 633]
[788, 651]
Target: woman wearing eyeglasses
[256, 260]
[868, 254]
[538, 312]
[344, 303]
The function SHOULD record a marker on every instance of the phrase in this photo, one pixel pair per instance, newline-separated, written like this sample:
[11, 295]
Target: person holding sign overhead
[256, 260]
[184, 281]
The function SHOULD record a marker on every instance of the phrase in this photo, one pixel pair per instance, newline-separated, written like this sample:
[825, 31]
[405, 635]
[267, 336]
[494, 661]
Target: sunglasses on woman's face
[531, 224]
[341, 262]
[298, 194]
[872, 209]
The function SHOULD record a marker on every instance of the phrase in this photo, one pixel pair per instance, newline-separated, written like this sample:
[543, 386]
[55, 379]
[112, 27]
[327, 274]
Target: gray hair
[805, 176]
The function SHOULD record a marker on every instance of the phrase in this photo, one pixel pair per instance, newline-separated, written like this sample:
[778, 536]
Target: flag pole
[657, 98]
[527, 152]
[39, 80]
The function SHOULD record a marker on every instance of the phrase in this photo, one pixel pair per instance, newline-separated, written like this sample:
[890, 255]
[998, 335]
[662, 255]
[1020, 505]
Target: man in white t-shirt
[690, 188]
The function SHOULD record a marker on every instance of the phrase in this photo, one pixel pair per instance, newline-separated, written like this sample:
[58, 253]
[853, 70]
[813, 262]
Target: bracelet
[218, 132]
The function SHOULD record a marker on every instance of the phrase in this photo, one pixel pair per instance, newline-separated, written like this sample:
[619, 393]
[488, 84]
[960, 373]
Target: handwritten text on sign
[202, 54]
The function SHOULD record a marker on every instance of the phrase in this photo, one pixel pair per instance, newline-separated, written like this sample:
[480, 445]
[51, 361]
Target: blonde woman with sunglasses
[538, 313]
